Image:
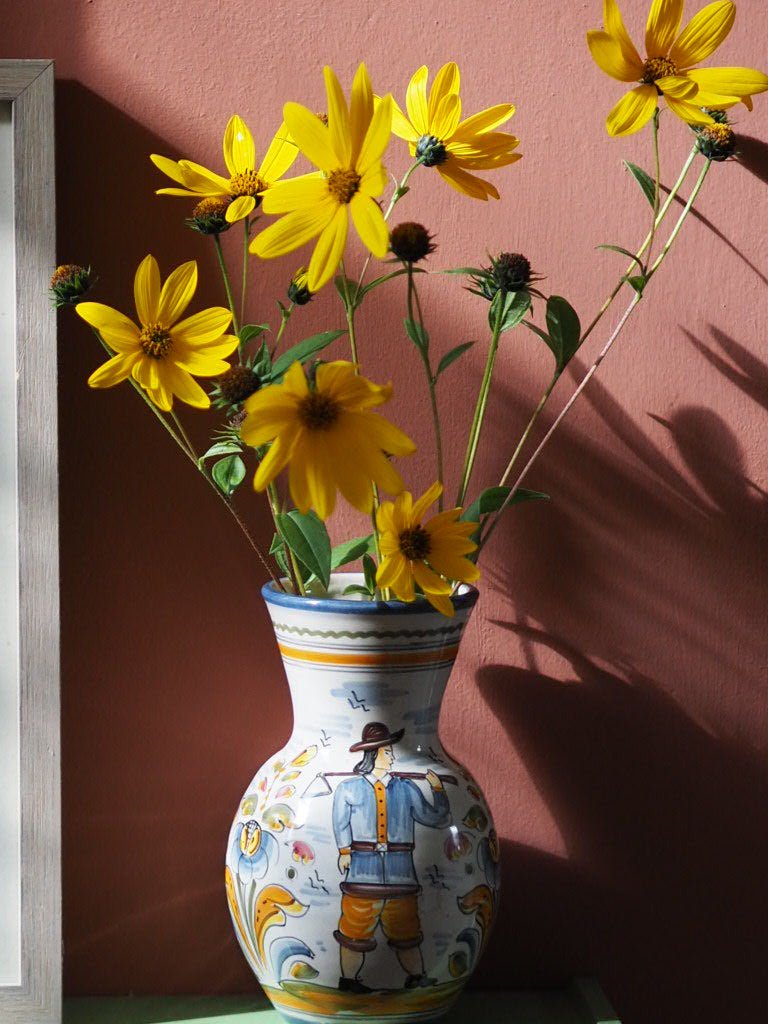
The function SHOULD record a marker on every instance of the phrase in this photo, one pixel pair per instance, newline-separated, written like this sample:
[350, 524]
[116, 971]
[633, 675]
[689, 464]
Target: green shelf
[582, 1003]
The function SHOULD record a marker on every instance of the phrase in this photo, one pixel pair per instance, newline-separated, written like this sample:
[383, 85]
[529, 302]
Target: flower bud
[716, 141]
[509, 272]
[431, 151]
[69, 284]
[411, 242]
[233, 387]
[298, 292]
[209, 216]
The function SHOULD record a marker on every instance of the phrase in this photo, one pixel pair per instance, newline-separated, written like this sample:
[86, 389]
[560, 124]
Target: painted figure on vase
[374, 814]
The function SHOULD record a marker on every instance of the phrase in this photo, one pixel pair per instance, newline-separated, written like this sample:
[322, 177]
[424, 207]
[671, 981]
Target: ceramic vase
[362, 868]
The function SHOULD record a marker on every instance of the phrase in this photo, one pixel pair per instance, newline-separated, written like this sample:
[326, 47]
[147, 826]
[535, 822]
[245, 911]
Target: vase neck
[358, 679]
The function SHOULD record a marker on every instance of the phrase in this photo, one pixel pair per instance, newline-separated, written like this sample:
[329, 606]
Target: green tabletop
[582, 1003]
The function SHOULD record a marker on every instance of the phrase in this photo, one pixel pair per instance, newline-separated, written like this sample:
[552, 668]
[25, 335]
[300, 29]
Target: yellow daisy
[164, 353]
[429, 554]
[348, 152]
[328, 436]
[667, 69]
[435, 132]
[245, 182]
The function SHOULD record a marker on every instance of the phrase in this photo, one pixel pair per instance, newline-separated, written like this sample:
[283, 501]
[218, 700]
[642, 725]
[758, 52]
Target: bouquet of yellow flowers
[308, 429]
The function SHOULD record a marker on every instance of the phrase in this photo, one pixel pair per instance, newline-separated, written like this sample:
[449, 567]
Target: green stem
[349, 310]
[198, 466]
[227, 285]
[480, 407]
[644, 247]
[246, 240]
[184, 435]
[418, 317]
[656, 180]
[603, 353]
[285, 316]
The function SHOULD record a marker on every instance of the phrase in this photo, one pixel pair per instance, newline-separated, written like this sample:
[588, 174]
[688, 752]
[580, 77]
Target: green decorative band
[366, 634]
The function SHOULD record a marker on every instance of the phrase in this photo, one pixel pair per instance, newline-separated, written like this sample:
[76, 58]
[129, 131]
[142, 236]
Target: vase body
[362, 865]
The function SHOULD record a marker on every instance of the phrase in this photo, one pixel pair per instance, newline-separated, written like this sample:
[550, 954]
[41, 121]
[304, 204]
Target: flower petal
[464, 182]
[204, 327]
[454, 567]
[239, 209]
[688, 112]
[429, 497]
[374, 181]
[273, 462]
[183, 385]
[370, 225]
[360, 109]
[610, 58]
[441, 603]
[294, 229]
[311, 136]
[338, 118]
[377, 137]
[703, 33]
[416, 100]
[114, 370]
[730, 81]
[320, 473]
[329, 250]
[447, 82]
[177, 293]
[428, 580]
[239, 150]
[161, 397]
[485, 121]
[662, 26]
[279, 157]
[395, 572]
[632, 111]
[119, 332]
[401, 126]
[614, 26]
[295, 193]
[678, 86]
[169, 167]
[269, 421]
[201, 180]
[146, 290]
[447, 117]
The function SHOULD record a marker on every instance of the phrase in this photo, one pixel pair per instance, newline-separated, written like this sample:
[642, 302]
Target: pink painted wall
[611, 694]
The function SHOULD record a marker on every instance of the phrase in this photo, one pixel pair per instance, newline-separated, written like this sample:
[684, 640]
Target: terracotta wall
[611, 695]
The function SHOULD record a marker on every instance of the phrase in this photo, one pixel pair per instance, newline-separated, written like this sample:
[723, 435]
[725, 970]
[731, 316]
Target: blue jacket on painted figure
[354, 821]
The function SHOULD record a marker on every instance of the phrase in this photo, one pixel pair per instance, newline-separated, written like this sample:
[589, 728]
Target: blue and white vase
[362, 870]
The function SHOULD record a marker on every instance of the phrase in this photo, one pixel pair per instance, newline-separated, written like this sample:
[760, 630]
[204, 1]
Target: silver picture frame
[30, 804]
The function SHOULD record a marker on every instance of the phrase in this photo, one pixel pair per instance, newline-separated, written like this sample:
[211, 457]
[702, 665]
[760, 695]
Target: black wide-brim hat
[375, 735]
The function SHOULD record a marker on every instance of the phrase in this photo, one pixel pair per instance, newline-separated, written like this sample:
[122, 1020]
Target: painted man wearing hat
[374, 814]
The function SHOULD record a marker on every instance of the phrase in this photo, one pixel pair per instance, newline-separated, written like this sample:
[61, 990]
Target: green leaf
[308, 539]
[302, 351]
[491, 500]
[351, 550]
[564, 329]
[471, 271]
[387, 277]
[262, 363]
[624, 252]
[340, 281]
[355, 588]
[515, 310]
[278, 550]
[369, 571]
[638, 283]
[228, 474]
[249, 331]
[417, 334]
[220, 448]
[452, 356]
[644, 180]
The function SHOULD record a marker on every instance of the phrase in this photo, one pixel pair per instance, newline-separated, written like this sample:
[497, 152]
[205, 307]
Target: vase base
[316, 1004]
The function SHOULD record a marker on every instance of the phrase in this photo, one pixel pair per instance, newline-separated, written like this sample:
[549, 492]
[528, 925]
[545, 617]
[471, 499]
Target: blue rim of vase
[461, 602]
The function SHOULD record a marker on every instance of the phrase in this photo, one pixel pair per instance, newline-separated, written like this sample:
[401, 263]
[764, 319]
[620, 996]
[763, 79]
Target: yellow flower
[667, 69]
[430, 554]
[348, 152]
[245, 182]
[164, 352]
[327, 435]
[437, 135]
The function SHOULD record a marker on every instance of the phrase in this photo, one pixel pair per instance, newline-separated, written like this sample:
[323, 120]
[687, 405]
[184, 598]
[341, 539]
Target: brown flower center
[343, 184]
[211, 206]
[318, 411]
[657, 67]
[414, 543]
[155, 341]
[248, 183]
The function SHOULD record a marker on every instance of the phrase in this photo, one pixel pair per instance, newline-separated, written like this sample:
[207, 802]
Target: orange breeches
[398, 916]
